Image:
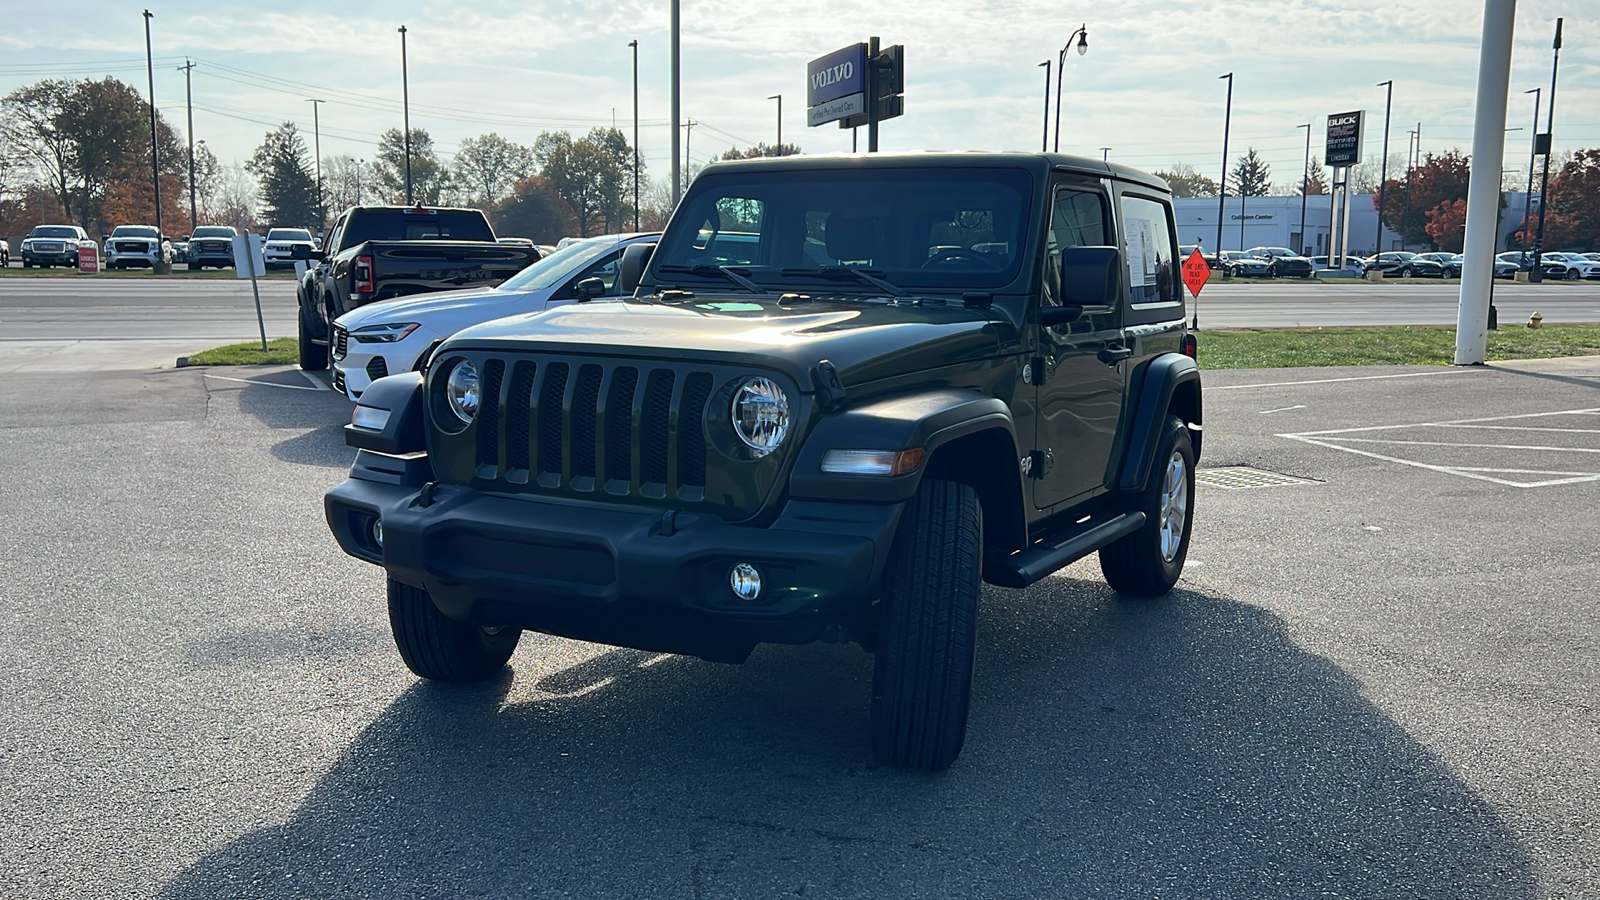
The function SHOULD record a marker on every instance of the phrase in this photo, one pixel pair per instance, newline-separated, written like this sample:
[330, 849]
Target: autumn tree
[592, 175]
[1572, 217]
[761, 151]
[1185, 181]
[1446, 225]
[1251, 176]
[1409, 198]
[288, 183]
[532, 210]
[430, 180]
[28, 117]
[487, 167]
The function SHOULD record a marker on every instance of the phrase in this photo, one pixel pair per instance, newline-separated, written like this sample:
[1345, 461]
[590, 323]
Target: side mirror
[631, 270]
[301, 251]
[1090, 276]
[589, 288]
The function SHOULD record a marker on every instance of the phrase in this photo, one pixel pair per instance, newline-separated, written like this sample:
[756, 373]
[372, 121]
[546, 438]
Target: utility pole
[155, 152]
[1305, 188]
[1527, 198]
[1537, 273]
[677, 180]
[635, 46]
[688, 133]
[1405, 211]
[359, 164]
[778, 150]
[1483, 188]
[1105, 154]
[316, 131]
[188, 96]
[1222, 187]
[1383, 178]
[1044, 142]
[405, 94]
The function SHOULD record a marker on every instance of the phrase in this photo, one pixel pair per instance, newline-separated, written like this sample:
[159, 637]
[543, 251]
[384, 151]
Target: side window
[605, 270]
[1078, 219]
[333, 237]
[1150, 251]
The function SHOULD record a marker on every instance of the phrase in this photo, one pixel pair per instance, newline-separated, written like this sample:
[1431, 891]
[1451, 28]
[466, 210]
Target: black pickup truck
[379, 252]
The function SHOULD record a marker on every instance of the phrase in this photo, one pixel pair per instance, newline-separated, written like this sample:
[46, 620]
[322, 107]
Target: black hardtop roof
[945, 159]
[417, 208]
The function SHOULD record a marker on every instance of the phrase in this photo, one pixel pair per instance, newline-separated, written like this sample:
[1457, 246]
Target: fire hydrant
[1536, 320]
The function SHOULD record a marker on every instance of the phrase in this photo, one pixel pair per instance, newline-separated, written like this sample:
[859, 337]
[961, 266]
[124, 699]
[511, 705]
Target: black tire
[313, 356]
[927, 629]
[1148, 562]
[440, 648]
[26, 264]
[1406, 272]
[195, 267]
[1573, 275]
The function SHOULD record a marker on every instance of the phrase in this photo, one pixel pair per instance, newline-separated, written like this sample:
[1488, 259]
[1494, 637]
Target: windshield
[54, 231]
[934, 227]
[205, 231]
[288, 234]
[558, 266]
[417, 225]
[134, 231]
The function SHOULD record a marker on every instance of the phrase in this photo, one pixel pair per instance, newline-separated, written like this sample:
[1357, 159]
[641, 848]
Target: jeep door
[1078, 377]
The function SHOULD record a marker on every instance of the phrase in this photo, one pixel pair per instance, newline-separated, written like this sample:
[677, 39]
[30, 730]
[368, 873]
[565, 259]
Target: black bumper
[617, 575]
[51, 259]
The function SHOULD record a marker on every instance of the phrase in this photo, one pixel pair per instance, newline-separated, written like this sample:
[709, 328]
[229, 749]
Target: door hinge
[1035, 371]
[1037, 463]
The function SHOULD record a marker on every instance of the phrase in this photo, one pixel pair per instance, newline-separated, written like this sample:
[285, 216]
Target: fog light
[377, 532]
[745, 581]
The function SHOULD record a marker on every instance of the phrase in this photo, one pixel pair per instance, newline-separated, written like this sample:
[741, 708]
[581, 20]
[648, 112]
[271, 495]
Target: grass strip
[1384, 346]
[279, 352]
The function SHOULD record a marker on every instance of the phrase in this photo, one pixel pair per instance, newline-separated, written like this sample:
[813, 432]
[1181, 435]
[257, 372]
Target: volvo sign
[836, 85]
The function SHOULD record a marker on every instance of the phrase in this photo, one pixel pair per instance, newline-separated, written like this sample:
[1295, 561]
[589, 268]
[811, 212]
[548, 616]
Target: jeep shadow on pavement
[847, 391]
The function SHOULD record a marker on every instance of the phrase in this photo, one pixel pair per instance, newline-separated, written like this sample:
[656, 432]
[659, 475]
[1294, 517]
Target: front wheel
[1573, 275]
[1148, 562]
[927, 629]
[313, 356]
[439, 648]
[1406, 272]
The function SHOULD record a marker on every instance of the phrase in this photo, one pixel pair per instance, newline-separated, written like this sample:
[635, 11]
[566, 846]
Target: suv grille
[377, 368]
[600, 428]
[341, 341]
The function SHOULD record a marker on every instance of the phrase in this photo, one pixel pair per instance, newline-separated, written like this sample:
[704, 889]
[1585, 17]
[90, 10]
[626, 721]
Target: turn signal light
[872, 462]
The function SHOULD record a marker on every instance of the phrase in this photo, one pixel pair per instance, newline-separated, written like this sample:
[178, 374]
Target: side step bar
[1055, 551]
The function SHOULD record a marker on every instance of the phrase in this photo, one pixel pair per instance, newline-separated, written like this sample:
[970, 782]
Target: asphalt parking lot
[1377, 679]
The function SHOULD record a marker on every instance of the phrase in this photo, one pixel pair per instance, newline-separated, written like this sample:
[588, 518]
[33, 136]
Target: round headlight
[461, 391]
[760, 414]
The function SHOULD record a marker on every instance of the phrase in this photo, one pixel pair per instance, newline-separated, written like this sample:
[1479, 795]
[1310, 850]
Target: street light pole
[1305, 185]
[677, 181]
[635, 46]
[1383, 177]
[1105, 154]
[1044, 142]
[359, 164]
[1082, 36]
[316, 131]
[405, 95]
[188, 97]
[778, 151]
[1222, 183]
[1533, 153]
[155, 162]
[1537, 274]
[1405, 211]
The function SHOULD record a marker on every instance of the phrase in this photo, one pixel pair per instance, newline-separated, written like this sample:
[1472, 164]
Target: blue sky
[1147, 88]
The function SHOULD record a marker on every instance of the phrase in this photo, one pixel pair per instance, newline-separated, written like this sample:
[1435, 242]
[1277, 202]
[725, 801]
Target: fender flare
[1164, 378]
[402, 432]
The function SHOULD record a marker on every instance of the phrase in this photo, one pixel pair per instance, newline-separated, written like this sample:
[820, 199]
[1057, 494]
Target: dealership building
[1276, 222]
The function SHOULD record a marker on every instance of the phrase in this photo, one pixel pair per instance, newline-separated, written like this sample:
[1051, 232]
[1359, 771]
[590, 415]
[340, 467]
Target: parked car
[5, 253]
[52, 245]
[1283, 262]
[381, 252]
[1505, 268]
[1404, 264]
[1569, 266]
[1522, 259]
[1450, 261]
[180, 250]
[1187, 250]
[1353, 265]
[394, 336]
[1594, 256]
[779, 452]
[1238, 263]
[279, 249]
[136, 246]
[211, 245]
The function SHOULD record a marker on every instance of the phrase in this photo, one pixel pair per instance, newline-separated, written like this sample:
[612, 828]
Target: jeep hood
[864, 340]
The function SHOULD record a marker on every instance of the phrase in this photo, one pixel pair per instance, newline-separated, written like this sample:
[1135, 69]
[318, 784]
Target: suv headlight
[461, 392]
[760, 414]
[384, 334]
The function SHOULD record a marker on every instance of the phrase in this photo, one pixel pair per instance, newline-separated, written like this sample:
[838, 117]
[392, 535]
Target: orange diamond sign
[1196, 272]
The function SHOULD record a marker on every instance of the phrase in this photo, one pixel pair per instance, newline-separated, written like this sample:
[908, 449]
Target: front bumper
[131, 259]
[364, 363]
[614, 574]
[63, 258]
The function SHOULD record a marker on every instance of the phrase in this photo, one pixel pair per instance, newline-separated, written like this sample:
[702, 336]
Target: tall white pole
[677, 180]
[1483, 188]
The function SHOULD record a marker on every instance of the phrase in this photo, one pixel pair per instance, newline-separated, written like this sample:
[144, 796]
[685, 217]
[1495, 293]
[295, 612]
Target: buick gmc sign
[836, 84]
[1344, 140]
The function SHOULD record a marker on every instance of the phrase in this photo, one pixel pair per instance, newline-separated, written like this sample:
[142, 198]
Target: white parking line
[1242, 387]
[292, 387]
[1283, 409]
[316, 382]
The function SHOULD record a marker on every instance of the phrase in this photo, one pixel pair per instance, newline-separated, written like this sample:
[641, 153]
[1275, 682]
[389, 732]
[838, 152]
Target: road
[1375, 681]
[1288, 304]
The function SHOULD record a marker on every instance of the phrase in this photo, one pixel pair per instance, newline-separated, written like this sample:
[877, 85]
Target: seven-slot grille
[341, 341]
[594, 425]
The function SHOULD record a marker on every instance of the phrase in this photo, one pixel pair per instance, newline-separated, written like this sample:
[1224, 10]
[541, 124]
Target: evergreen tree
[282, 165]
[1250, 176]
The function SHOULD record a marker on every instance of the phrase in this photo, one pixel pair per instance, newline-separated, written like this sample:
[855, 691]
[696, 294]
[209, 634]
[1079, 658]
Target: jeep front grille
[341, 341]
[594, 427]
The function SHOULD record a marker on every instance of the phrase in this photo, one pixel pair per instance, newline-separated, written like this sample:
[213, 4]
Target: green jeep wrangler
[846, 392]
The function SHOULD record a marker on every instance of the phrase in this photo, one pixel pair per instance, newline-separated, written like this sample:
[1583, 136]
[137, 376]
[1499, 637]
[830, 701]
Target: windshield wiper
[856, 272]
[706, 269]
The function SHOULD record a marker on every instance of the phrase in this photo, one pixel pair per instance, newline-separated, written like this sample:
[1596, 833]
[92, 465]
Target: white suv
[1576, 266]
[281, 243]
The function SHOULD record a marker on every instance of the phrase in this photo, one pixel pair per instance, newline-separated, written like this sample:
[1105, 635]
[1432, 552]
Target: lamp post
[188, 98]
[359, 164]
[1305, 184]
[1537, 273]
[405, 95]
[316, 131]
[677, 184]
[1388, 106]
[1405, 211]
[1105, 153]
[1222, 183]
[778, 151]
[1533, 153]
[1044, 141]
[635, 46]
[155, 162]
[1082, 36]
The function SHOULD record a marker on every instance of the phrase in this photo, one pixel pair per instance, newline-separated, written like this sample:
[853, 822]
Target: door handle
[1114, 353]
